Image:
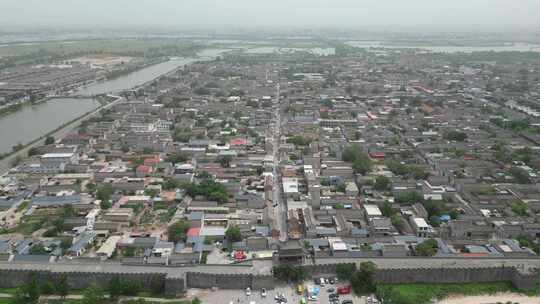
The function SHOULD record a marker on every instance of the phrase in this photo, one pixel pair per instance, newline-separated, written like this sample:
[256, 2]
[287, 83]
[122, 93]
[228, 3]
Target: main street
[280, 208]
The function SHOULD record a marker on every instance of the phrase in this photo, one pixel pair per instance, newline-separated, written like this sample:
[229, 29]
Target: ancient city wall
[81, 280]
[176, 285]
[325, 269]
[228, 281]
[445, 275]
[441, 275]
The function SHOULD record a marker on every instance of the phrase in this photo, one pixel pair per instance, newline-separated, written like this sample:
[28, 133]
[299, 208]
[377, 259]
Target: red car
[344, 290]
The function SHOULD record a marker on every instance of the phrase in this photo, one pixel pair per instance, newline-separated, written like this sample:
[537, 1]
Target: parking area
[239, 296]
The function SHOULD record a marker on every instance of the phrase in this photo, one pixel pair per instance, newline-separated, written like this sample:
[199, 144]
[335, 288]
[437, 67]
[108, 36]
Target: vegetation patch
[425, 293]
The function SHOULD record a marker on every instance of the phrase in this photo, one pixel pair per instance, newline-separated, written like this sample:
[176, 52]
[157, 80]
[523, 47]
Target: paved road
[5, 164]
[280, 209]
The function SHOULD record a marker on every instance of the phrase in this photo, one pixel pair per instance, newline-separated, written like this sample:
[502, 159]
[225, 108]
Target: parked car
[263, 293]
[248, 291]
[300, 289]
[330, 290]
[347, 302]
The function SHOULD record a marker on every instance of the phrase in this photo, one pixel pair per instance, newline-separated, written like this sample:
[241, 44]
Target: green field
[117, 46]
[52, 51]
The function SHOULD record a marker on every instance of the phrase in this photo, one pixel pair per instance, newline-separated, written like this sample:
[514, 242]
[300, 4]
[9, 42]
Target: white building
[421, 227]
[108, 248]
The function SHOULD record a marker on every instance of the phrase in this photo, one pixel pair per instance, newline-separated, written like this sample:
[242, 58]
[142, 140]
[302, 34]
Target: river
[510, 47]
[145, 75]
[134, 79]
[31, 122]
[34, 121]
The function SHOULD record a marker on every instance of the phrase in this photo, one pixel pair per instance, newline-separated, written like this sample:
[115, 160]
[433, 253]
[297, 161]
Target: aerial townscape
[270, 168]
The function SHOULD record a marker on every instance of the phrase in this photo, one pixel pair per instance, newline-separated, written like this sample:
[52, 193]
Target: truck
[344, 289]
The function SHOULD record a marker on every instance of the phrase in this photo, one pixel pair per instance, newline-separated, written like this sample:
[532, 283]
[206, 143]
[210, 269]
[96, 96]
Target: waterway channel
[32, 122]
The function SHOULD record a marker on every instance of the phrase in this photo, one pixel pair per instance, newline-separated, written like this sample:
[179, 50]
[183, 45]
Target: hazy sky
[282, 13]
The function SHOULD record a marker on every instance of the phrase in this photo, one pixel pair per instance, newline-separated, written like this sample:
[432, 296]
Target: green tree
[298, 140]
[521, 176]
[115, 288]
[47, 288]
[93, 295]
[62, 286]
[363, 280]
[344, 272]
[526, 241]
[103, 194]
[28, 293]
[151, 192]
[33, 290]
[209, 188]
[33, 151]
[454, 214]
[177, 231]
[455, 135]
[171, 184]
[409, 198]
[382, 183]
[397, 221]
[233, 234]
[177, 157]
[49, 140]
[387, 210]
[224, 161]
[289, 273]
[427, 248]
[157, 285]
[519, 208]
[19, 297]
[38, 249]
[196, 301]
[361, 162]
[66, 242]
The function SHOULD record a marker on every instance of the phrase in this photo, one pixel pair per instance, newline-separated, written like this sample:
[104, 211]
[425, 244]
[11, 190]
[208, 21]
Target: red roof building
[238, 142]
[151, 161]
[377, 155]
[193, 232]
[142, 169]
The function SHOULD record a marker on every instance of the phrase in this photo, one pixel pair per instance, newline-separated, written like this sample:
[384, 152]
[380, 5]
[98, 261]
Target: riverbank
[6, 110]
[32, 122]
[7, 162]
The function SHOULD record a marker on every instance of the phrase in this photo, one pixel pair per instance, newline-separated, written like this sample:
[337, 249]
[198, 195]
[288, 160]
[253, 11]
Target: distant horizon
[11, 34]
[461, 28]
[293, 14]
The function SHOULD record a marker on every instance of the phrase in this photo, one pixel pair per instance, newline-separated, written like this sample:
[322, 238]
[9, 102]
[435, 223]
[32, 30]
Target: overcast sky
[279, 13]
